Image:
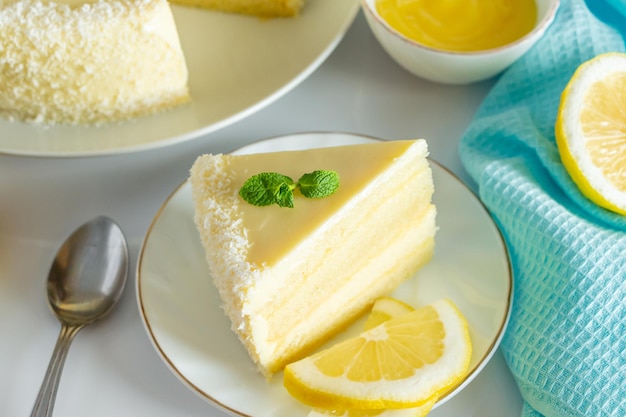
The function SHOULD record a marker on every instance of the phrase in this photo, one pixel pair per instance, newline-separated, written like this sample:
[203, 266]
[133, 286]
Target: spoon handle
[47, 393]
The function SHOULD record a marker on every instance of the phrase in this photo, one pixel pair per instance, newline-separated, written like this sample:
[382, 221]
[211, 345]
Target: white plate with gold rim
[237, 65]
[181, 309]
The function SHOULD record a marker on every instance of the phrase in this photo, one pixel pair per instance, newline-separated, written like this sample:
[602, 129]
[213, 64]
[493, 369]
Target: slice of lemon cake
[290, 278]
[266, 8]
[74, 61]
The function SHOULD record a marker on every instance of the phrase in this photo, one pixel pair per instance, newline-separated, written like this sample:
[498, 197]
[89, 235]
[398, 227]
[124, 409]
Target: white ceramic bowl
[455, 67]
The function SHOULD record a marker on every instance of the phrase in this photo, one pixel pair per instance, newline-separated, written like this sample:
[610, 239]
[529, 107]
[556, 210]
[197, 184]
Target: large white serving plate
[237, 65]
[181, 309]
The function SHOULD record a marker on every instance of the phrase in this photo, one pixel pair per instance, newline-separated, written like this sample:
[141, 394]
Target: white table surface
[112, 368]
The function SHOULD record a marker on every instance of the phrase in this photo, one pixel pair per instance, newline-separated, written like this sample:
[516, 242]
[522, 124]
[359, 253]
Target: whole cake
[289, 278]
[267, 8]
[89, 62]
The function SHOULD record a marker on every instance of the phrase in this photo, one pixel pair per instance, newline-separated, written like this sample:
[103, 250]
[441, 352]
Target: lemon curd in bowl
[460, 25]
[458, 41]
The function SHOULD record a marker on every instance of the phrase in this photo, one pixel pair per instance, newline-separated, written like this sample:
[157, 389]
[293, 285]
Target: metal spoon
[85, 281]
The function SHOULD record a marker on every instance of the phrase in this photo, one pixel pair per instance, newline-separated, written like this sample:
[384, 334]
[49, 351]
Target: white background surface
[112, 369]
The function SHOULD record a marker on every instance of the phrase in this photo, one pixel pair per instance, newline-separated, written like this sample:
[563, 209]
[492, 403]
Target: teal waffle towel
[566, 340]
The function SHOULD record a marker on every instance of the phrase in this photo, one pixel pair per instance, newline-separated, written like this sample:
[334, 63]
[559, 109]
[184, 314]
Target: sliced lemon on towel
[402, 363]
[591, 130]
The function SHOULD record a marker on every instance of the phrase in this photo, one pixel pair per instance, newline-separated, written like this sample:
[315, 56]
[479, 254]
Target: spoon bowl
[86, 280]
[89, 272]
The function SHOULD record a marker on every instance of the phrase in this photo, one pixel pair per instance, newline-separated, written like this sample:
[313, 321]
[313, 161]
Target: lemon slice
[421, 411]
[385, 308]
[591, 130]
[401, 363]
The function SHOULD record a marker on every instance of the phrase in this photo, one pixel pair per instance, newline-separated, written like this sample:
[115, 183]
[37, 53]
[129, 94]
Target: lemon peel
[421, 411]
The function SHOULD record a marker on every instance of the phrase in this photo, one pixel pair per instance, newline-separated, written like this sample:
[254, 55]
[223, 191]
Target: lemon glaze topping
[366, 163]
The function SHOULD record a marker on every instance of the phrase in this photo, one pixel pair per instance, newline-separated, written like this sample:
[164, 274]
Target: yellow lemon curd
[460, 25]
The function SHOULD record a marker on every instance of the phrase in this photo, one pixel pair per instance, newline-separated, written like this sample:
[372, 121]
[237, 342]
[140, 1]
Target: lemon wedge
[401, 363]
[591, 130]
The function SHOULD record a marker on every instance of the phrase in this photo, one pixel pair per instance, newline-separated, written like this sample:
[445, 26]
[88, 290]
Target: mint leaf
[318, 184]
[284, 196]
[268, 188]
